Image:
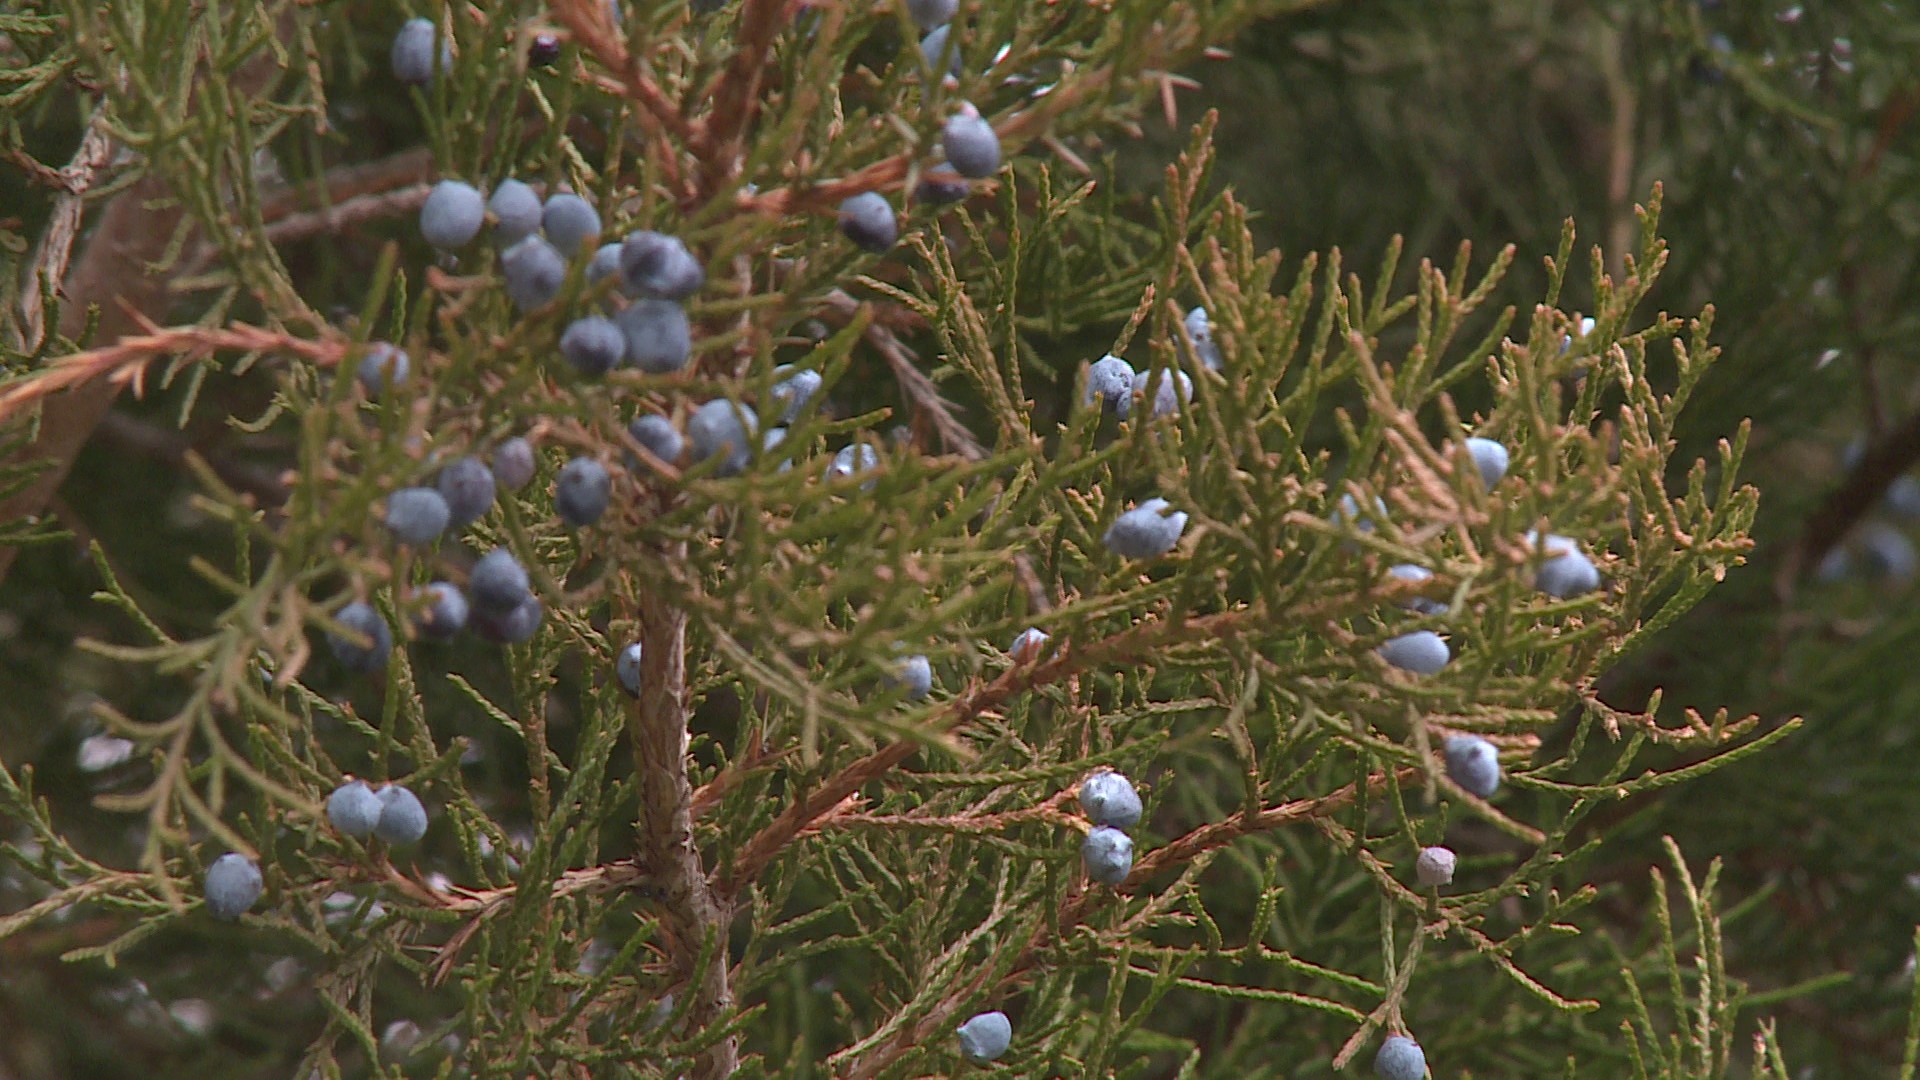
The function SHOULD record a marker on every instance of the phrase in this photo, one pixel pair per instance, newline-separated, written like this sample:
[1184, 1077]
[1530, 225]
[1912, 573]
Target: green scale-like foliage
[869, 871]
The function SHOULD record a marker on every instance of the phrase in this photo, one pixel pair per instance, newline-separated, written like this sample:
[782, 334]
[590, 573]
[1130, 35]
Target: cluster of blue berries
[1110, 802]
[392, 813]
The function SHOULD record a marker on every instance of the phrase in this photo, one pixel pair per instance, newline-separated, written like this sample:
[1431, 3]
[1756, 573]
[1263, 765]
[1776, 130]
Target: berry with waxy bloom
[720, 428]
[581, 492]
[1146, 531]
[468, 488]
[593, 344]
[418, 515]
[445, 613]
[534, 271]
[658, 336]
[513, 463]
[626, 668]
[1434, 866]
[868, 220]
[570, 222]
[1490, 458]
[233, 885]
[1108, 855]
[356, 656]
[1108, 798]
[412, 56]
[657, 435]
[985, 1036]
[1473, 763]
[403, 820]
[1400, 1058]
[452, 215]
[1110, 382]
[354, 809]
[1421, 652]
[382, 366]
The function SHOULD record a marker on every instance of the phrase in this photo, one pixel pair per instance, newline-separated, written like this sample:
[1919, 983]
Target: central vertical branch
[665, 845]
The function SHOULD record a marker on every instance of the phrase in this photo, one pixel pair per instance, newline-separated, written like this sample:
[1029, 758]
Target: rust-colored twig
[696, 918]
[125, 361]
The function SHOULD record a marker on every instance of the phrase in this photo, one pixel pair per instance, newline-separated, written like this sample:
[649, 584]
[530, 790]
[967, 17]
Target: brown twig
[696, 919]
[718, 137]
[1073, 908]
[63, 227]
[1068, 660]
[125, 361]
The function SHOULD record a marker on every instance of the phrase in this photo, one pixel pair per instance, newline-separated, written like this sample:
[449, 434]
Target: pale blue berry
[1417, 575]
[939, 50]
[1146, 531]
[452, 215]
[516, 212]
[412, 54]
[362, 619]
[868, 220]
[927, 14]
[1108, 854]
[657, 435]
[1490, 458]
[513, 464]
[1200, 329]
[941, 185]
[498, 584]
[581, 492]
[606, 264]
[534, 271]
[1349, 510]
[626, 668]
[417, 515]
[792, 393]
[382, 366]
[354, 809]
[853, 460]
[444, 614]
[570, 222]
[594, 345]
[722, 429]
[660, 266]
[1170, 390]
[915, 675]
[1028, 645]
[1473, 763]
[1566, 572]
[403, 820]
[657, 336]
[468, 487]
[1109, 382]
[1421, 652]
[971, 146]
[770, 441]
[1400, 1058]
[510, 627]
[1434, 866]
[985, 1036]
[1108, 798]
[233, 885]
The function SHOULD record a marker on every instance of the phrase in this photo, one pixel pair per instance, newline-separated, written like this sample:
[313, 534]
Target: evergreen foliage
[778, 856]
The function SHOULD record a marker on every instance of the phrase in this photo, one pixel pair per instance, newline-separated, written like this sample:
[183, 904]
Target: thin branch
[63, 227]
[696, 920]
[125, 361]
